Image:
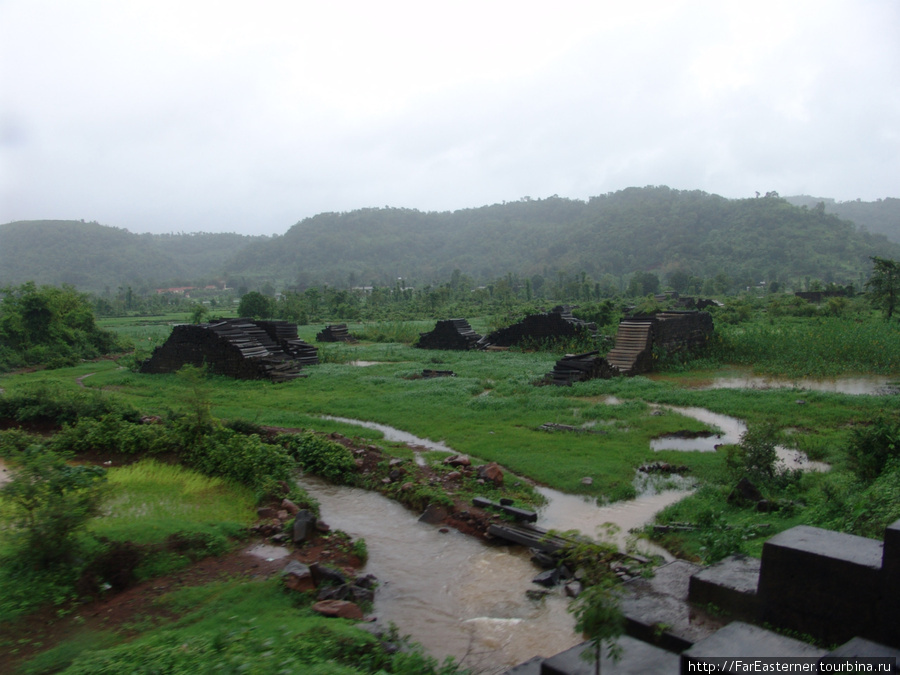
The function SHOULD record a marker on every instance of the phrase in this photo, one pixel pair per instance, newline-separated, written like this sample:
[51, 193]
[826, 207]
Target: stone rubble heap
[239, 348]
[537, 328]
[337, 332]
[454, 334]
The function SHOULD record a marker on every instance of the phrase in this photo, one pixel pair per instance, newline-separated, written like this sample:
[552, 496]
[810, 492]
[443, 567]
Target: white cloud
[204, 115]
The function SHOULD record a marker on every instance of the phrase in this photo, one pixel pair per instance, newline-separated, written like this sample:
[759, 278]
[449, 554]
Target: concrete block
[742, 640]
[820, 582]
[729, 585]
[860, 647]
[638, 658]
[657, 609]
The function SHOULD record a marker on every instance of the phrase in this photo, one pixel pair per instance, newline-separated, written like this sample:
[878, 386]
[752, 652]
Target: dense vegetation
[49, 326]
[879, 217]
[491, 410]
[693, 241]
[100, 259]
[607, 238]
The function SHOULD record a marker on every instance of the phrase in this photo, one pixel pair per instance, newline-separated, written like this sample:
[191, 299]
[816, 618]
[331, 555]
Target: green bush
[872, 447]
[48, 504]
[111, 433]
[54, 405]
[322, 457]
[244, 459]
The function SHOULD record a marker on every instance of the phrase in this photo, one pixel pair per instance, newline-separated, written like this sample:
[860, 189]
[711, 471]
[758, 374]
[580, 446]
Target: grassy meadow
[492, 410]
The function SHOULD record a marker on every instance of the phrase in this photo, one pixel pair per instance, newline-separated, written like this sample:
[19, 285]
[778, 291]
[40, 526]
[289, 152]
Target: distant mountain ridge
[880, 217]
[638, 229]
[655, 229]
[93, 257]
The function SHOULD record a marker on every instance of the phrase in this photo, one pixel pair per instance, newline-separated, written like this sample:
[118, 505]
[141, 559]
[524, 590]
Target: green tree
[50, 503]
[599, 618]
[198, 311]
[884, 285]
[255, 305]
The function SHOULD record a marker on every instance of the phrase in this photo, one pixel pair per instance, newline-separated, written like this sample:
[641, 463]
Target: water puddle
[268, 552]
[394, 435]
[578, 512]
[731, 430]
[873, 385]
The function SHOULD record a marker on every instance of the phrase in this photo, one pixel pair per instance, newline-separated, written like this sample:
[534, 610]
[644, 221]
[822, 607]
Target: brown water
[873, 385]
[449, 592]
[457, 596]
[731, 430]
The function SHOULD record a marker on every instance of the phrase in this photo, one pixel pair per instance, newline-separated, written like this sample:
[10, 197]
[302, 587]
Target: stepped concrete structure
[337, 332]
[450, 334]
[835, 588]
[240, 348]
[557, 323]
[672, 331]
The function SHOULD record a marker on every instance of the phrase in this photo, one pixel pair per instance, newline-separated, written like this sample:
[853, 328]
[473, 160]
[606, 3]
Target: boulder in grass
[298, 577]
[491, 472]
[342, 609]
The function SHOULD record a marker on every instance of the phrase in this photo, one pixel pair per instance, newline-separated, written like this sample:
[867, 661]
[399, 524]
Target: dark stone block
[742, 640]
[729, 585]
[638, 658]
[862, 648]
[657, 610]
[823, 583]
[304, 525]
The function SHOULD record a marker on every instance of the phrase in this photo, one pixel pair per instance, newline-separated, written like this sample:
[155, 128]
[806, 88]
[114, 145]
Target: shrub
[50, 503]
[243, 459]
[872, 447]
[49, 404]
[111, 433]
[322, 457]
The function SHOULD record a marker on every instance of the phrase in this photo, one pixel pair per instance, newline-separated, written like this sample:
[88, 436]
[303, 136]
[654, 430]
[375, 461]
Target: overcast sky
[193, 115]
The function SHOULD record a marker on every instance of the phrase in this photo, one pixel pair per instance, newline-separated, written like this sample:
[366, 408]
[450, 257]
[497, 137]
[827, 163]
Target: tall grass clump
[149, 500]
[821, 346]
[406, 332]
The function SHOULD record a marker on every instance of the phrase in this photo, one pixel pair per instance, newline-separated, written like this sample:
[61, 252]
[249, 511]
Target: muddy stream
[458, 596]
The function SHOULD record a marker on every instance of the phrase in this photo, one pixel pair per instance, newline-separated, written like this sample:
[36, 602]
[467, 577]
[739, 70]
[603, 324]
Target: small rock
[573, 589]
[491, 472]
[342, 609]
[298, 577]
[434, 514]
[536, 594]
[458, 460]
[587, 480]
[290, 507]
[547, 578]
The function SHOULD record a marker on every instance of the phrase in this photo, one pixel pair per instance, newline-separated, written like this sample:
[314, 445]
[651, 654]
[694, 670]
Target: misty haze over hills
[653, 229]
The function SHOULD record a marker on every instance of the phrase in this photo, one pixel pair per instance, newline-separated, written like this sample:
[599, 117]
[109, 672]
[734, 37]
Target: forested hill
[638, 229]
[652, 229]
[880, 217]
[93, 257]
